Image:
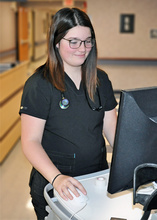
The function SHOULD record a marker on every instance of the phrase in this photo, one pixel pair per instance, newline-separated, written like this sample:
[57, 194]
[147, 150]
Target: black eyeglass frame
[81, 41]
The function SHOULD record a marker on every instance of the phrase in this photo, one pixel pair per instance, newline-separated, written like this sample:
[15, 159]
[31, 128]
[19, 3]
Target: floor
[15, 201]
[14, 194]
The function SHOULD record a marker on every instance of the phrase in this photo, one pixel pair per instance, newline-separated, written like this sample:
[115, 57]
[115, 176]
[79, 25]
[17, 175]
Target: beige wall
[130, 74]
[40, 36]
[7, 26]
[7, 32]
[105, 16]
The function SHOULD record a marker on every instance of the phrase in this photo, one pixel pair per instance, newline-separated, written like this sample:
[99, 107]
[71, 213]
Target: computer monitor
[136, 136]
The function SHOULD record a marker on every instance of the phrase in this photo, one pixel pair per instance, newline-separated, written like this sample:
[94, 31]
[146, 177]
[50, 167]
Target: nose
[82, 46]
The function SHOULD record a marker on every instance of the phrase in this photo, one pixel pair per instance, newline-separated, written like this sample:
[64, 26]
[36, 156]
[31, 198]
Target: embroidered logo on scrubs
[23, 107]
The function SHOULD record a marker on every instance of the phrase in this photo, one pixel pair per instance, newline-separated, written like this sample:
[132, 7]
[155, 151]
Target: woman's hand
[63, 183]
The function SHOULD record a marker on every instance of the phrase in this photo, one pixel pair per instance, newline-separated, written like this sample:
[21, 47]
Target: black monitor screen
[136, 136]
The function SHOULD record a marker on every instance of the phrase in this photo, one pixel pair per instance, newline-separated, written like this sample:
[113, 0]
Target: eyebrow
[75, 38]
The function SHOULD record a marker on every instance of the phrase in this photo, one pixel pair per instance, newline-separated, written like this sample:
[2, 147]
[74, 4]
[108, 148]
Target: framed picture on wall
[127, 23]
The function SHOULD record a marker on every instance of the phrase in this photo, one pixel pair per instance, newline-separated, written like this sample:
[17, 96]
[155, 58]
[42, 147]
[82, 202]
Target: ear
[57, 45]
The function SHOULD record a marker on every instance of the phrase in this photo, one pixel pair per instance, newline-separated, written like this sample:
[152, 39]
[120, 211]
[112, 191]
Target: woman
[66, 104]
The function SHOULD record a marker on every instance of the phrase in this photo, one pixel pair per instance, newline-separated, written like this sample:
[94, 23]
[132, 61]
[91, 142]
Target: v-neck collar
[72, 85]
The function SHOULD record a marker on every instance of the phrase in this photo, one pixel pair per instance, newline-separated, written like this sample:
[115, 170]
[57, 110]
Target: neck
[75, 74]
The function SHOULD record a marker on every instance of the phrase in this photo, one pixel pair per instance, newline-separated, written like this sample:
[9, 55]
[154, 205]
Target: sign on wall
[68, 3]
[127, 23]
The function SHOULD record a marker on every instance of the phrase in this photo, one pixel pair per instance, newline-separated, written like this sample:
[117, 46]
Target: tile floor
[14, 191]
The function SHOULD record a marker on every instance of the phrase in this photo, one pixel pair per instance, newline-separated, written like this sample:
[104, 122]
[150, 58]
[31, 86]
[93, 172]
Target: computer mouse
[76, 204]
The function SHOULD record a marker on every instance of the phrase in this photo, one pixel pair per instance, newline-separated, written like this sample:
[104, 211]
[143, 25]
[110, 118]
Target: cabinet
[11, 87]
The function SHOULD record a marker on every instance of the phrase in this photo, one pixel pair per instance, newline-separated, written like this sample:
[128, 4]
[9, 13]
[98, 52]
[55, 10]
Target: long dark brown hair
[64, 20]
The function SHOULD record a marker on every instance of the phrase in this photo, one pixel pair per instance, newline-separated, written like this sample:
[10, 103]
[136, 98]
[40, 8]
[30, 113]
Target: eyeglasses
[76, 43]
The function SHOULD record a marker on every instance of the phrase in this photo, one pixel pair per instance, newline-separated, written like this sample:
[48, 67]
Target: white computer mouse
[76, 204]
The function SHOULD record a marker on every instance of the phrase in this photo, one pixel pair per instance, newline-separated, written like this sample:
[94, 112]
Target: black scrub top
[72, 137]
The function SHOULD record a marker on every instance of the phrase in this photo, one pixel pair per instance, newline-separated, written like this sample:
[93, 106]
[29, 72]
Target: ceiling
[52, 4]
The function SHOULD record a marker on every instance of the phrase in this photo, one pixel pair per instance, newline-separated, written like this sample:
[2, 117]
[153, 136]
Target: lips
[81, 55]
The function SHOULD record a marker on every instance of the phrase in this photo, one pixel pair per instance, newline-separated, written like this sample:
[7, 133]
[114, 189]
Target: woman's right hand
[62, 183]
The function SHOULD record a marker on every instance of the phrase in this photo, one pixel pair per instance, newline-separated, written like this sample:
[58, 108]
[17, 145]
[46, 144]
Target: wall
[105, 16]
[112, 46]
[37, 24]
[7, 31]
[40, 33]
[130, 74]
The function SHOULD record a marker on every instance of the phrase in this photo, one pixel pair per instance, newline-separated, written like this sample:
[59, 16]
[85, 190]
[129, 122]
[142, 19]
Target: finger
[64, 193]
[70, 193]
[78, 185]
[73, 189]
[64, 183]
[69, 190]
[65, 189]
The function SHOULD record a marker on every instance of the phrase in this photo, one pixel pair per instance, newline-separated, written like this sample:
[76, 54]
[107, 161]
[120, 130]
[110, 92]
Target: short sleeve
[36, 97]
[106, 91]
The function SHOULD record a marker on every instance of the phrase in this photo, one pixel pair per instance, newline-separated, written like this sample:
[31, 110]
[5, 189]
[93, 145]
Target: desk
[101, 205]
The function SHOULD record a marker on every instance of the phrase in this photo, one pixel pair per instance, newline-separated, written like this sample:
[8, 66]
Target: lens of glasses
[74, 44]
[89, 43]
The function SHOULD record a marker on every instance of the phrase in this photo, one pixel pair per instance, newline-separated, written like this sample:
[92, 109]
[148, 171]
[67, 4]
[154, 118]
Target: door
[23, 41]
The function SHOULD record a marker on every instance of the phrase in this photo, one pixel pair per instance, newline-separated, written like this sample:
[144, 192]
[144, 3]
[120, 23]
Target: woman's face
[74, 57]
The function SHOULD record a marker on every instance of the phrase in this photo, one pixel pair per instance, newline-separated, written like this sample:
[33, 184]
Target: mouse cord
[77, 212]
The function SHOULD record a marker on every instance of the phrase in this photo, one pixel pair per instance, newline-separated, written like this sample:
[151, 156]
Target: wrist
[55, 178]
